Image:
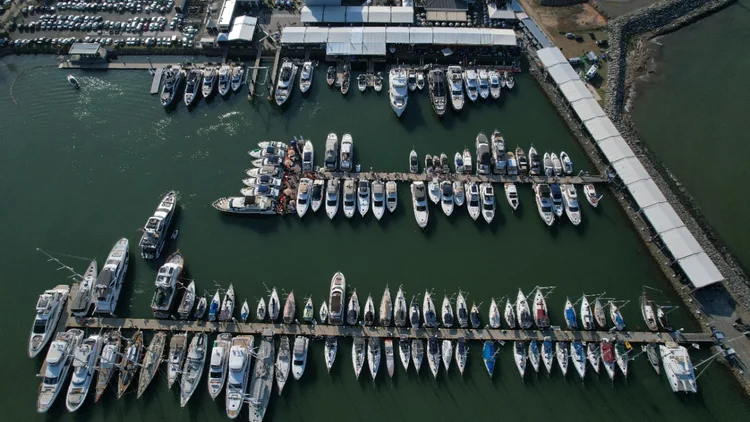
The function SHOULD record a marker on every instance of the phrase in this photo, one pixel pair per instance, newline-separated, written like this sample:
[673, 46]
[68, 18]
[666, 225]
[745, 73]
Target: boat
[84, 357]
[509, 81]
[308, 157]
[188, 300]
[570, 316]
[621, 357]
[570, 200]
[287, 73]
[483, 155]
[471, 83]
[273, 160]
[349, 198]
[462, 310]
[237, 74]
[593, 354]
[587, 318]
[438, 89]
[417, 353]
[474, 316]
[391, 196]
[466, 158]
[373, 355]
[419, 203]
[305, 77]
[599, 314]
[54, 372]
[399, 310]
[386, 309]
[652, 353]
[209, 81]
[510, 315]
[661, 317]
[299, 356]
[556, 165]
[446, 197]
[378, 199]
[362, 82]
[274, 305]
[413, 162]
[337, 297]
[166, 285]
[172, 78]
[73, 82]
[548, 357]
[498, 153]
[260, 310]
[111, 277]
[434, 191]
[472, 200]
[578, 356]
[110, 356]
[331, 348]
[192, 86]
[484, 84]
[193, 367]
[548, 167]
[459, 194]
[358, 355]
[557, 200]
[561, 351]
[647, 311]
[523, 162]
[567, 164]
[259, 390]
[363, 196]
[433, 355]
[447, 354]
[317, 194]
[80, 303]
[489, 356]
[535, 165]
[495, 84]
[543, 199]
[519, 355]
[494, 315]
[129, 363]
[261, 191]
[678, 368]
[352, 310]
[458, 163]
[272, 171]
[488, 201]
[214, 307]
[608, 358]
[331, 75]
[447, 312]
[303, 196]
[512, 164]
[156, 230]
[217, 369]
[176, 355]
[616, 316]
[332, 198]
[289, 309]
[308, 313]
[346, 80]
[541, 316]
[244, 311]
[283, 362]
[331, 152]
[369, 314]
[429, 313]
[511, 194]
[323, 313]
[398, 92]
[225, 80]
[264, 180]
[389, 357]
[525, 320]
[377, 82]
[200, 309]
[411, 80]
[152, 358]
[428, 164]
[347, 153]
[456, 87]
[590, 192]
[420, 81]
[240, 357]
[49, 307]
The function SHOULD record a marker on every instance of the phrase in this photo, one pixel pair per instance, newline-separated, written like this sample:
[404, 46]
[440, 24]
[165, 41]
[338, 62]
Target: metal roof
[380, 14]
[315, 35]
[615, 149]
[402, 15]
[588, 109]
[294, 35]
[601, 128]
[357, 14]
[646, 193]
[311, 14]
[537, 33]
[700, 270]
[551, 56]
[575, 90]
[420, 35]
[334, 14]
[562, 73]
[662, 217]
[243, 28]
[372, 34]
[227, 11]
[84, 48]
[397, 35]
[493, 12]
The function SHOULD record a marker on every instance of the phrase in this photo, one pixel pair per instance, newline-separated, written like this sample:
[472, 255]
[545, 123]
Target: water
[692, 117]
[81, 169]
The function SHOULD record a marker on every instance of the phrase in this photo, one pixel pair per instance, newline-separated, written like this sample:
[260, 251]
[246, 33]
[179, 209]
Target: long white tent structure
[356, 14]
[695, 263]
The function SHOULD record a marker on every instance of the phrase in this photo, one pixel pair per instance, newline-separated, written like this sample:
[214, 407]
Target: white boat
[317, 193]
[400, 309]
[498, 153]
[593, 354]
[303, 196]
[413, 162]
[227, 305]
[447, 312]
[347, 153]
[512, 164]
[511, 194]
[534, 355]
[474, 316]
[331, 75]
[523, 162]
[461, 355]
[358, 355]
[590, 192]
[487, 193]
[237, 74]
[391, 196]
[262, 191]
[73, 82]
[273, 160]
[165, 293]
[225, 78]
[209, 81]
[176, 355]
[519, 355]
[337, 298]
[172, 79]
[428, 311]
[556, 165]
[192, 86]
[544, 203]
[286, 81]
[561, 352]
[548, 356]
[414, 313]
[473, 200]
[599, 315]
[377, 82]
[397, 90]
[107, 363]
[273, 144]
[578, 356]
[616, 316]
[289, 309]
[217, 365]
[420, 81]
[433, 190]
[570, 201]
[466, 156]
[261, 382]
[331, 152]
[200, 309]
[350, 198]
[535, 164]
[567, 164]
[411, 80]
[541, 316]
[647, 312]
[471, 83]
[386, 309]
[54, 372]
[458, 163]
[110, 279]
[419, 203]
[510, 315]
[509, 81]
[369, 314]
[258, 205]
[417, 353]
[332, 198]
[433, 355]
[273, 171]
[446, 197]
[447, 354]
[308, 157]
[459, 194]
[85, 358]
[404, 352]
[373, 356]
[378, 199]
[608, 358]
[283, 363]
[49, 307]
[331, 348]
[525, 320]
[346, 80]
[484, 84]
[363, 196]
[495, 86]
[678, 368]
[569, 314]
[621, 357]
[462, 311]
[352, 310]
[306, 76]
[266, 152]
[548, 168]
[389, 357]
[193, 368]
[299, 356]
[587, 318]
[129, 363]
[323, 313]
[494, 315]
[274, 305]
[80, 303]
[264, 180]
[308, 312]
[456, 83]
[362, 82]
[484, 158]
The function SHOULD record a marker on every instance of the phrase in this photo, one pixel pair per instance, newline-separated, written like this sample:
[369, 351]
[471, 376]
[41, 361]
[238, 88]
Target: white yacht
[166, 285]
[433, 191]
[593, 354]
[473, 200]
[80, 303]
[397, 90]
[563, 356]
[510, 315]
[175, 357]
[55, 368]
[358, 355]
[487, 193]
[274, 305]
[227, 305]
[570, 200]
[511, 194]
[317, 194]
[590, 192]
[285, 83]
[305, 77]
[332, 152]
[299, 356]
[389, 357]
[129, 362]
[519, 355]
[391, 195]
[459, 195]
[544, 203]
[420, 80]
[49, 306]
[461, 354]
[337, 298]
[413, 162]
[498, 152]
[419, 203]
[468, 168]
[447, 354]
[433, 355]
[578, 356]
[332, 198]
[261, 383]
[567, 163]
[303, 196]
[349, 198]
[484, 84]
[534, 355]
[156, 230]
[377, 82]
[541, 314]
[462, 311]
[509, 81]
[429, 313]
[678, 368]
[260, 205]
[193, 369]
[373, 356]
[548, 356]
[471, 83]
[556, 165]
[264, 180]
[240, 357]
[347, 153]
[549, 170]
[193, 86]
[225, 80]
[209, 81]
[283, 363]
[261, 191]
[378, 199]
[110, 279]
[237, 73]
[308, 157]
[446, 197]
[557, 200]
[523, 313]
[85, 357]
[404, 352]
[330, 349]
[494, 315]
[455, 80]
[363, 196]
[417, 353]
[411, 80]
[172, 79]
[484, 159]
[495, 84]
[458, 163]
[217, 369]
[447, 312]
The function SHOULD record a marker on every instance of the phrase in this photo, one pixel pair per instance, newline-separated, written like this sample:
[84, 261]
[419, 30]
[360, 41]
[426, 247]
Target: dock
[156, 82]
[580, 179]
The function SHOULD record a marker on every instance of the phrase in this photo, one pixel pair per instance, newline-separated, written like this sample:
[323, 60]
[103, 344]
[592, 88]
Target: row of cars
[156, 6]
[131, 42]
[95, 23]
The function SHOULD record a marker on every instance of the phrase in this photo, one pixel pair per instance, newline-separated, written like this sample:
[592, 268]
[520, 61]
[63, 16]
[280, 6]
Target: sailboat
[647, 311]
[577, 355]
[570, 316]
[400, 310]
[389, 363]
[283, 363]
[586, 316]
[386, 309]
[614, 313]
[510, 316]
[488, 356]
[461, 354]
[447, 312]
[548, 356]
[462, 311]
[534, 355]
[522, 311]
[599, 315]
[447, 354]
[154, 354]
[593, 354]
[404, 352]
[369, 316]
[494, 315]
[541, 317]
[417, 353]
[331, 348]
[561, 350]
[289, 309]
[519, 355]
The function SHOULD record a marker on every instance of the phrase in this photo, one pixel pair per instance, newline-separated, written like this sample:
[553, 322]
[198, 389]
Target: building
[243, 29]
[446, 10]
[226, 14]
[500, 10]
[87, 52]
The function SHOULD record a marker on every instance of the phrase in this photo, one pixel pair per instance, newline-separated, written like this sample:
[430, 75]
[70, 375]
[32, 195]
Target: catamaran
[678, 368]
[218, 364]
[49, 306]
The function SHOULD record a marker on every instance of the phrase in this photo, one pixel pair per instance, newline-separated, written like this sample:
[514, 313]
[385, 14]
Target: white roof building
[243, 28]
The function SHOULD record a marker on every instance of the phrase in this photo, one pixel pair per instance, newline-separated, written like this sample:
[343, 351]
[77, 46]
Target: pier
[492, 178]
[156, 83]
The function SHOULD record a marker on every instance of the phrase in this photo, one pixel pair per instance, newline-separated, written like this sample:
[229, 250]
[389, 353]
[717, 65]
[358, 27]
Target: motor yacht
[303, 196]
[438, 91]
[459, 195]
[544, 203]
[487, 193]
[570, 202]
[108, 362]
[111, 278]
[535, 164]
[413, 162]
[167, 277]
[225, 80]
[590, 192]
[473, 200]
[420, 81]
[456, 87]
[523, 162]
[332, 198]
[471, 83]
[397, 90]
[484, 84]
[331, 152]
[172, 79]
[49, 307]
[337, 298]
[217, 369]
[498, 153]
[192, 86]
[511, 194]
[468, 168]
[85, 357]
[391, 196]
[446, 197]
[494, 84]
[433, 190]
[238, 72]
[363, 196]
[377, 82]
[305, 77]
[331, 75]
[258, 205]
[346, 79]
[509, 80]
[286, 81]
[567, 164]
[209, 81]
[411, 80]
[484, 159]
[556, 165]
[156, 229]
[350, 198]
[55, 368]
[299, 356]
[549, 170]
[378, 199]
[347, 153]
[308, 157]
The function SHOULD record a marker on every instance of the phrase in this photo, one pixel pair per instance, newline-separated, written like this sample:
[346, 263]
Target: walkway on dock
[494, 178]
[156, 82]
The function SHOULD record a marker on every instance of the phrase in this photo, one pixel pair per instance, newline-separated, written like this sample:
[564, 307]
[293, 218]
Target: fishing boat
[488, 356]
[188, 300]
[240, 357]
[494, 315]
[420, 81]
[398, 92]
[378, 199]
[377, 82]
[487, 194]
[413, 162]
[217, 369]
[621, 357]
[337, 297]
[308, 157]
[286, 81]
[543, 199]
[417, 353]
[283, 363]
[652, 353]
[386, 309]
[352, 311]
[130, 361]
[49, 307]
[414, 313]
[349, 198]
[259, 390]
[108, 362]
[433, 355]
[519, 355]
[499, 156]
[331, 75]
[400, 310]
[323, 313]
[404, 352]
[346, 80]
[244, 311]
[472, 200]
[289, 309]
[209, 81]
[678, 368]
[73, 81]
[227, 305]
[110, 279]
[192, 86]
[590, 192]
[433, 190]
[468, 166]
[541, 316]
[369, 314]
[510, 315]
[599, 315]
[237, 74]
[557, 200]
[373, 356]
[192, 370]
[225, 78]
[363, 196]
[446, 197]
[438, 89]
[447, 354]
[358, 355]
[593, 354]
[332, 198]
[577, 355]
[305, 77]
[661, 317]
[484, 158]
[509, 81]
[299, 356]
[274, 305]
[456, 87]
[647, 311]
[474, 316]
[525, 320]
[428, 308]
[462, 310]
[561, 351]
[303, 196]
[523, 162]
[548, 356]
[616, 316]
[331, 348]
[84, 357]
[389, 357]
[447, 312]
[535, 165]
[484, 84]
[549, 170]
[570, 201]
[419, 203]
[200, 309]
[534, 355]
[587, 318]
[608, 358]
[511, 194]
[471, 83]
[152, 357]
[163, 301]
[308, 312]
[459, 194]
[172, 78]
[570, 315]
[57, 363]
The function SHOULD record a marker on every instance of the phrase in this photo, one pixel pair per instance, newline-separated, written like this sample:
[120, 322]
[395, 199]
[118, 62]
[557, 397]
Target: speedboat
[129, 363]
[447, 354]
[369, 314]
[192, 86]
[621, 357]
[456, 86]
[209, 82]
[172, 79]
[85, 357]
[240, 357]
[111, 277]
[377, 82]
[214, 307]
[303, 196]
[509, 81]
[446, 197]
[332, 152]
[428, 164]
[237, 73]
[73, 82]
[308, 157]
[541, 316]
[519, 355]
[458, 163]
[535, 165]
[434, 191]
[261, 383]
[283, 363]
[549, 170]
[262, 191]
[488, 201]
[225, 79]
[587, 318]
[286, 81]
[347, 153]
[397, 90]
[472, 200]
[289, 309]
[363, 196]
[274, 305]
[49, 306]
[352, 311]
[438, 91]
[577, 355]
[227, 305]
[593, 354]
[484, 84]
[474, 316]
[404, 352]
[444, 166]
[386, 309]
[331, 348]
[462, 310]
[590, 192]
[428, 308]
[274, 160]
[616, 316]
[523, 162]
[556, 165]
[678, 368]
[337, 298]
[599, 314]
[459, 195]
[346, 80]
[349, 198]
[308, 312]
[498, 152]
[570, 316]
[567, 164]
[80, 303]
[647, 311]
[461, 354]
[317, 194]
[608, 358]
[378, 199]
[413, 162]
[652, 352]
[494, 84]
[391, 196]
[534, 355]
[373, 356]
[510, 315]
[471, 83]
[358, 355]
[548, 356]
[488, 356]
[484, 160]
[54, 372]
[331, 75]
[389, 355]
[272, 171]
[420, 81]
[362, 82]
[414, 313]
[544, 203]
[400, 309]
[110, 357]
[570, 200]
[468, 169]
[175, 357]
[273, 144]
[525, 319]
[511, 194]
[193, 368]
[299, 356]
[305, 77]
[447, 312]
[217, 365]
[494, 315]
[561, 351]
[512, 164]
[411, 80]
[166, 285]
[417, 353]
[433, 355]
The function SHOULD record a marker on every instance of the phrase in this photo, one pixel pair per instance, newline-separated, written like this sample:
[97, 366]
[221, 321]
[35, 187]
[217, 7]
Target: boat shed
[356, 14]
[380, 14]
[243, 29]
[87, 52]
[402, 15]
[382, 35]
[397, 35]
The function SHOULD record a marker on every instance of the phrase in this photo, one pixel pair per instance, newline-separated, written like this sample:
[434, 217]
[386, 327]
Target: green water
[694, 117]
[81, 169]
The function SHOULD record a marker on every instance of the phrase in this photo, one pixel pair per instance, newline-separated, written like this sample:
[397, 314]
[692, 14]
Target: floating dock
[156, 82]
[580, 179]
